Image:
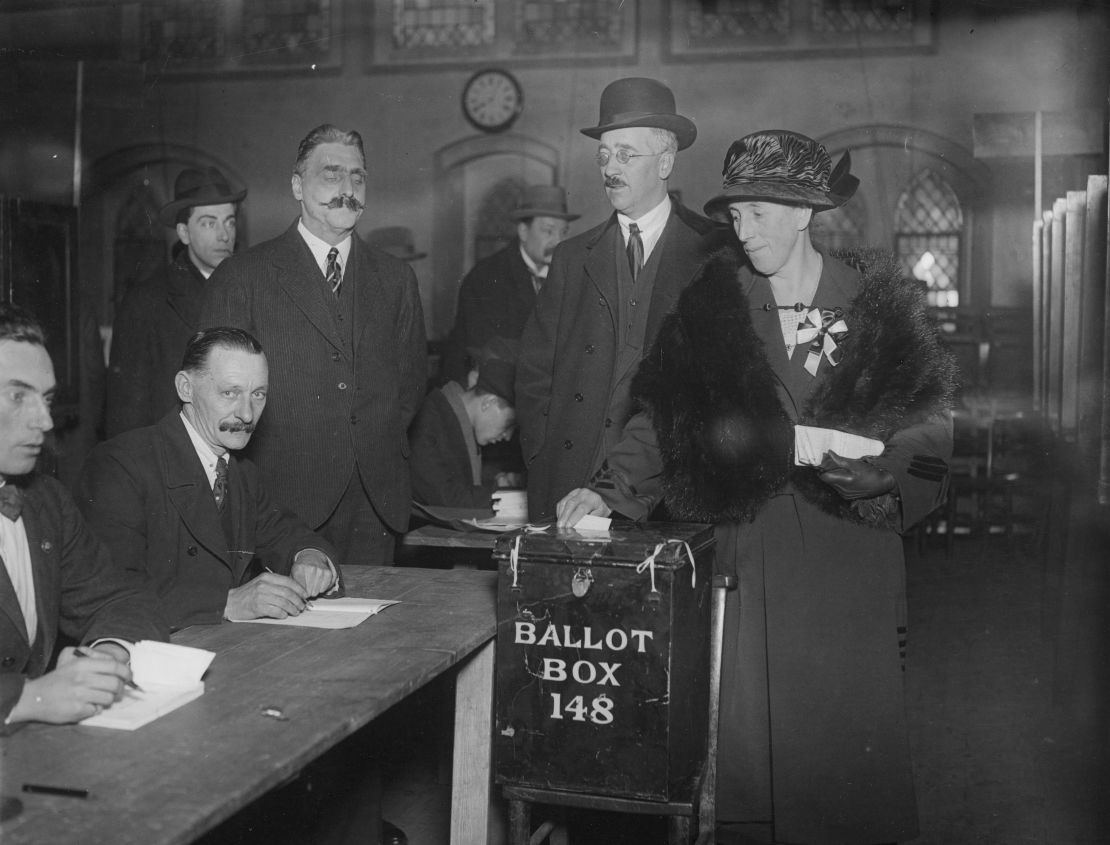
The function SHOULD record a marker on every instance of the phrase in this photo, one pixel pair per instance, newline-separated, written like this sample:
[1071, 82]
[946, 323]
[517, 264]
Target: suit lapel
[184, 291]
[187, 488]
[297, 274]
[44, 551]
[600, 265]
[9, 604]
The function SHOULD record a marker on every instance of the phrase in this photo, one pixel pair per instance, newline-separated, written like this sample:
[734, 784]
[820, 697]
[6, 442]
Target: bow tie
[11, 501]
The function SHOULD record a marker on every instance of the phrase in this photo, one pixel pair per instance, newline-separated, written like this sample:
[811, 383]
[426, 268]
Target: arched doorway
[477, 182]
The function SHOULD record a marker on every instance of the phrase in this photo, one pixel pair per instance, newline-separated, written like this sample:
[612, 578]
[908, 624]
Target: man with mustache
[498, 294]
[606, 293]
[344, 332]
[196, 524]
[157, 316]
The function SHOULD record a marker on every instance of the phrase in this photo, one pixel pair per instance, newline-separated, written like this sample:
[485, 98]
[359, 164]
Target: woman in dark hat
[772, 348]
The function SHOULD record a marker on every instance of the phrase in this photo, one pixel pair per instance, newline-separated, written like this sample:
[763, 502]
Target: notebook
[168, 676]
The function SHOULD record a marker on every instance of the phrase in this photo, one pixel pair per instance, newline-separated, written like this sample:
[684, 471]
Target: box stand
[682, 814]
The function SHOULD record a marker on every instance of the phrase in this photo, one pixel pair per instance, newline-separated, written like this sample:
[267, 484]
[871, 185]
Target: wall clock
[492, 100]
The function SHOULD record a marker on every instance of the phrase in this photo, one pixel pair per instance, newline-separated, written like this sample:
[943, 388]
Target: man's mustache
[614, 182]
[238, 426]
[344, 201]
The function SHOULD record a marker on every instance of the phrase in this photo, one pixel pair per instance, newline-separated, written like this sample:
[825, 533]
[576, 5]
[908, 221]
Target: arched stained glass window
[841, 228]
[928, 224]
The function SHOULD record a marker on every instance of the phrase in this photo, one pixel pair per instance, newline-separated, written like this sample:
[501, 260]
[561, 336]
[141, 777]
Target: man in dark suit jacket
[344, 331]
[597, 313]
[56, 577]
[197, 525]
[157, 316]
[498, 294]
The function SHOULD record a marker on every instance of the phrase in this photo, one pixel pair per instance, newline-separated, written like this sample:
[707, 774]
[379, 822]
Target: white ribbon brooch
[822, 330]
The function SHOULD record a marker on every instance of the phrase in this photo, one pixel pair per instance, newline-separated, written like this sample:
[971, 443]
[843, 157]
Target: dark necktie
[635, 250]
[11, 501]
[334, 274]
[219, 489]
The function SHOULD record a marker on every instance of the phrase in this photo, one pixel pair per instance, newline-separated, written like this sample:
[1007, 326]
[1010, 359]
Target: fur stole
[725, 439]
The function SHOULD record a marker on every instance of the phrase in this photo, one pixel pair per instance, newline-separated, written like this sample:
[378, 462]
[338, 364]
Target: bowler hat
[783, 167]
[198, 187]
[395, 240]
[543, 201]
[637, 101]
[497, 376]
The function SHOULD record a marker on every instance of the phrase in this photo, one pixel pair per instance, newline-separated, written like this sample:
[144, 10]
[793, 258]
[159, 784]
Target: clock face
[492, 100]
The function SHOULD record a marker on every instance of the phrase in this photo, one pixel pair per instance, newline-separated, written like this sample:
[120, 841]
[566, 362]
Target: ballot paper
[510, 506]
[167, 675]
[811, 444]
[331, 613]
[593, 523]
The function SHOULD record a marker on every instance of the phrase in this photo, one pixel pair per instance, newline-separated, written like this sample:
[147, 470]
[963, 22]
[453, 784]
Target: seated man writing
[177, 510]
[448, 432]
[56, 576]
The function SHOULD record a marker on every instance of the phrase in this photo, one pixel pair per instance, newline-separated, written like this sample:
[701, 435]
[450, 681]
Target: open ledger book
[168, 676]
[331, 613]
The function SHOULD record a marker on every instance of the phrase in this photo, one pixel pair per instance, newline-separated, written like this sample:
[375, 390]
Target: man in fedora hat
[606, 294]
[499, 292]
[158, 316]
[775, 352]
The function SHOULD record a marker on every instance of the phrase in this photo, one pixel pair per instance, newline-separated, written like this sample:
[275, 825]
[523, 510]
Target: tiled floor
[1006, 719]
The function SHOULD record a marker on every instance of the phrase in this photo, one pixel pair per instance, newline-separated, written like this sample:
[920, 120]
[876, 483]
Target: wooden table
[449, 538]
[171, 780]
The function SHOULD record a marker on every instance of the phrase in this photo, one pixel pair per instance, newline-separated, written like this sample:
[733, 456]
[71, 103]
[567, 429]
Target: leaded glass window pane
[182, 29]
[562, 23]
[928, 226]
[289, 26]
[443, 23]
[732, 20]
[859, 16]
[841, 228]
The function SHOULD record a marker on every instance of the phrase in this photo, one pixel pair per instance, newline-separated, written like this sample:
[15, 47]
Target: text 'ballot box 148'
[602, 659]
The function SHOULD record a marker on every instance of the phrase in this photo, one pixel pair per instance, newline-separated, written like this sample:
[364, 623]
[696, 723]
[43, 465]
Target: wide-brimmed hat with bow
[395, 240]
[638, 101]
[543, 201]
[784, 167]
[198, 187]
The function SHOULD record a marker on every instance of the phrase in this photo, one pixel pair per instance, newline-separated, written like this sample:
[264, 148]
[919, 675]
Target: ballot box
[602, 659]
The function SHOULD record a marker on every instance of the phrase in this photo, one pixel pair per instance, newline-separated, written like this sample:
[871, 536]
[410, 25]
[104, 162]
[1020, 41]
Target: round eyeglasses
[622, 155]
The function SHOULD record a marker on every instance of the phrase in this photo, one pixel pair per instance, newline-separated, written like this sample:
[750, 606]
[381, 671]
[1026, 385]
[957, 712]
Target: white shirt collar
[208, 458]
[651, 225]
[320, 248]
[533, 268]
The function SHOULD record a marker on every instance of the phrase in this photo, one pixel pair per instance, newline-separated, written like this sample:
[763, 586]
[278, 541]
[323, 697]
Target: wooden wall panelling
[1092, 320]
[1075, 231]
[1053, 404]
[1038, 306]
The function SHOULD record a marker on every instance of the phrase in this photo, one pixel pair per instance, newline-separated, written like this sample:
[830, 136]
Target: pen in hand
[79, 653]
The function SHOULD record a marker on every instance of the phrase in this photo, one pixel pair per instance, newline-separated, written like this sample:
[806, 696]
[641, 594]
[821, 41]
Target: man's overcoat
[495, 300]
[567, 369]
[154, 323]
[332, 409]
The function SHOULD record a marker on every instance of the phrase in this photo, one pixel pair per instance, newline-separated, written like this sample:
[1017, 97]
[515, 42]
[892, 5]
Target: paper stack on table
[167, 675]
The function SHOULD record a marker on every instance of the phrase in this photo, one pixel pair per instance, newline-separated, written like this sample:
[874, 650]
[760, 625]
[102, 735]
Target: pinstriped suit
[332, 410]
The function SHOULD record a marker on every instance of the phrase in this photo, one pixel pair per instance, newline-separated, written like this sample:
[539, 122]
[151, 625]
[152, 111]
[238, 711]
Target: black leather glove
[855, 479]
